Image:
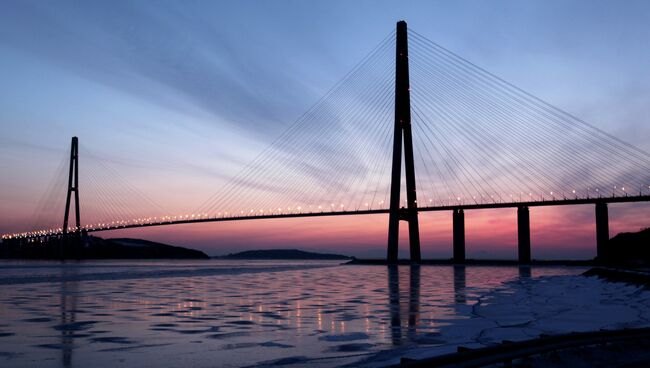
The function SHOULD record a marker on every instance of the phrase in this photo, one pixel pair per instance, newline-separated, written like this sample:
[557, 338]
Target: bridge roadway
[475, 206]
[451, 207]
[523, 220]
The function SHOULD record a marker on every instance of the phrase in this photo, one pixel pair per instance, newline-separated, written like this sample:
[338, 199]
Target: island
[94, 247]
[283, 254]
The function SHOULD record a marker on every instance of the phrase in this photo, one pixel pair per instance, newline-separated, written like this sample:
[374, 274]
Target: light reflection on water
[304, 311]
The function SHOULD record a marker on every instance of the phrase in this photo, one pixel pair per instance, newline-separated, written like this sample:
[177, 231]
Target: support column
[459, 236]
[523, 234]
[402, 129]
[602, 230]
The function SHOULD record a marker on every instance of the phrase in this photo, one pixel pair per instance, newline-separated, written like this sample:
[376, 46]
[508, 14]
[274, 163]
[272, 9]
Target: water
[242, 313]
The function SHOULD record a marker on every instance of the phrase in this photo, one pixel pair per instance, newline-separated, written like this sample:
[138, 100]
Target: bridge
[465, 138]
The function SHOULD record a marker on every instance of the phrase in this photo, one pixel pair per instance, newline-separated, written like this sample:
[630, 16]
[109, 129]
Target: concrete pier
[459, 235]
[602, 230]
[523, 234]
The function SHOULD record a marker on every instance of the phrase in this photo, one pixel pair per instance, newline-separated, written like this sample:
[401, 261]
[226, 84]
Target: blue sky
[183, 93]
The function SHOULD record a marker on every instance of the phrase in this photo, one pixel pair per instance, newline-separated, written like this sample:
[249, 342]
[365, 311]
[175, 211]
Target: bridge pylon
[403, 129]
[73, 186]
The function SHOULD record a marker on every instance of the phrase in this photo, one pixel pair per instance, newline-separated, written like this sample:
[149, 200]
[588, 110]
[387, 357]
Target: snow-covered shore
[525, 308]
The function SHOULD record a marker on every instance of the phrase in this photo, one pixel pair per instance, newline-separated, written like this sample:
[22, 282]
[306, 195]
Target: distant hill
[631, 248]
[93, 247]
[139, 248]
[282, 254]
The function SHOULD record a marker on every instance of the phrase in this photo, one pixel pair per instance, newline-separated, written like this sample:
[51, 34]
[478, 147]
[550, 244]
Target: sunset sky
[178, 96]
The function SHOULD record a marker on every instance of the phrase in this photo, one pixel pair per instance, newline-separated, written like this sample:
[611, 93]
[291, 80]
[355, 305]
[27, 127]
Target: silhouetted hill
[281, 254]
[632, 248]
[93, 247]
[139, 248]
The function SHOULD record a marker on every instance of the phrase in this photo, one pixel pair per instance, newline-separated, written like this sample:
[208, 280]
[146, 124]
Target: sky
[178, 96]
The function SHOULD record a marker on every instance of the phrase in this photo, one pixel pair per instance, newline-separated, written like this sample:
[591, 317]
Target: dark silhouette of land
[282, 254]
[139, 248]
[628, 259]
[93, 247]
[604, 348]
[630, 248]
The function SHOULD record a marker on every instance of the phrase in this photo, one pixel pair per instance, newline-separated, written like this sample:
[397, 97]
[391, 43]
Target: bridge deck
[475, 206]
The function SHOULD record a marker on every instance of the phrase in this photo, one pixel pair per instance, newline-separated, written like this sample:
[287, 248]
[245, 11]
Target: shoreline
[551, 313]
[538, 351]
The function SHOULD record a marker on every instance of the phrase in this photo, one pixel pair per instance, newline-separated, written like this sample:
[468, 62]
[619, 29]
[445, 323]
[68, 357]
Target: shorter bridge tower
[73, 186]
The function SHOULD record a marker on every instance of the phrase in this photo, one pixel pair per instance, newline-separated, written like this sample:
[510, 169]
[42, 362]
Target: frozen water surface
[247, 313]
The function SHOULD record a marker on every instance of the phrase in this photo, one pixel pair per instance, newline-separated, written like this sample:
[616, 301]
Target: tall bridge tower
[403, 129]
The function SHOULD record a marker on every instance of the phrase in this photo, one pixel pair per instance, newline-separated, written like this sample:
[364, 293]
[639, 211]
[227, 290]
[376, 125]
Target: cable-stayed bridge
[412, 127]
